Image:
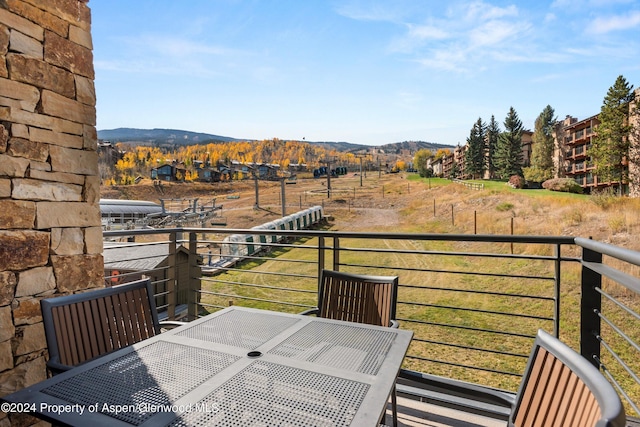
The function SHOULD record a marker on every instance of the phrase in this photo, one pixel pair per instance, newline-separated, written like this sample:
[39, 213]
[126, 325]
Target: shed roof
[135, 257]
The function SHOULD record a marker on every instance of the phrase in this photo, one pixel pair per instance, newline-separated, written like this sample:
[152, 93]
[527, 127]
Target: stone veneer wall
[50, 233]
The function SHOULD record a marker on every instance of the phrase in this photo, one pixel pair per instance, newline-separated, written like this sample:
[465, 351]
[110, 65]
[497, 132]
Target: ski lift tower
[328, 161]
[361, 156]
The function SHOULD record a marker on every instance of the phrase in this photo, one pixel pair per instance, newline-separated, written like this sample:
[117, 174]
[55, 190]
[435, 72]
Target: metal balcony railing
[474, 302]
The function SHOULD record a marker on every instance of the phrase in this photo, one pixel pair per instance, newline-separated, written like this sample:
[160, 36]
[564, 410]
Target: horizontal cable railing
[611, 314]
[474, 302]
[470, 315]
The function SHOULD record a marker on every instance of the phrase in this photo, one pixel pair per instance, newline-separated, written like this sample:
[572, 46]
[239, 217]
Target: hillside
[159, 136]
[405, 203]
[183, 137]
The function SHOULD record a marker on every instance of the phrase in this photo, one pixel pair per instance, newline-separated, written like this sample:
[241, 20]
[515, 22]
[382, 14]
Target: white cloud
[603, 25]
[372, 10]
[467, 36]
[562, 4]
[454, 59]
[423, 32]
[604, 3]
[580, 6]
[530, 57]
[481, 11]
[176, 46]
[472, 35]
[495, 32]
[169, 55]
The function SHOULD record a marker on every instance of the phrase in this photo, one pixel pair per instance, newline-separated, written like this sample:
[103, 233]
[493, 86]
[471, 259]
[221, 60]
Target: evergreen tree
[611, 143]
[542, 167]
[508, 154]
[491, 141]
[474, 156]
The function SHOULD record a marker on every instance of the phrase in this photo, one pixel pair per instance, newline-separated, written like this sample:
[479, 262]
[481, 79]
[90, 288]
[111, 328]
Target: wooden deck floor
[412, 413]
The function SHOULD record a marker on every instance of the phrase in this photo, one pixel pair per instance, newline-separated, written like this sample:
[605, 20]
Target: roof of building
[136, 257]
[117, 207]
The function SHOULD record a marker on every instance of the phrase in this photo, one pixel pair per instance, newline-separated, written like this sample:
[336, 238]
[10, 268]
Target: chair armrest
[310, 311]
[394, 324]
[457, 392]
[56, 367]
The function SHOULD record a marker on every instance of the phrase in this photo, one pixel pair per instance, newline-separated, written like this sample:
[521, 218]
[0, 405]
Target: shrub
[575, 217]
[618, 224]
[505, 206]
[604, 198]
[516, 181]
[566, 185]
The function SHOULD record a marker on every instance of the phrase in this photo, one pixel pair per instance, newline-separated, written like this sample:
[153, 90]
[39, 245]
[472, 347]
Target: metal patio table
[236, 367]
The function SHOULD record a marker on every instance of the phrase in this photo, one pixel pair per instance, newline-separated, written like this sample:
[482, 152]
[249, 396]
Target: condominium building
[527, 147]
[574, 138]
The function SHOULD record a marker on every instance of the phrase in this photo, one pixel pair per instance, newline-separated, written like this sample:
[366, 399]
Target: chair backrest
[82, 326]
[562, 388]
[358, 298]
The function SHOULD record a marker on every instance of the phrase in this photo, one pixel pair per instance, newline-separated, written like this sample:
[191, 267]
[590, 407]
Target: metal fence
[474, 302]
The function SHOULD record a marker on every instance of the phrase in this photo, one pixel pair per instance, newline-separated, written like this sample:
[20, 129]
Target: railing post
[590, 306]
[336, 254]
[171, 278]
[556, 287]
[320, 258]
[194, 278]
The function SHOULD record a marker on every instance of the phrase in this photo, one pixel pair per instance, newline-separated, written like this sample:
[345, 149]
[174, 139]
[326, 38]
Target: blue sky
[363, 71]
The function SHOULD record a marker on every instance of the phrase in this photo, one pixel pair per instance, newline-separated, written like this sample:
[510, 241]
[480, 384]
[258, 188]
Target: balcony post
[556, 286]
[336, 254]
[194, 278]
[590, 306]
[172, 289]
[320, 258]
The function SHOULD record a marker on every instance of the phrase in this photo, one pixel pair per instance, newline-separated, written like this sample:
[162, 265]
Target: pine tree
[491, 141]
[611, 143]
[474, 156]
[508, 154]
[542, 167]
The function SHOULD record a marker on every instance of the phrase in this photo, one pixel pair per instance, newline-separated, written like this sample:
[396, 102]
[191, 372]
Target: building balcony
[474, 302]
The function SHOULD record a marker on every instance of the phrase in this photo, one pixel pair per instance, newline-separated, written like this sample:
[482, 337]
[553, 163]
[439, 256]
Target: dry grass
[407, 202]
[401, 203]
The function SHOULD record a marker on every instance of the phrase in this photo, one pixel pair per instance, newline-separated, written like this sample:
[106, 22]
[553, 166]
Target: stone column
[50, 233]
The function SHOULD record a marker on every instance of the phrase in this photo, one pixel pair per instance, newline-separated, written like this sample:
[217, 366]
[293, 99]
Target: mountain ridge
[161, 136]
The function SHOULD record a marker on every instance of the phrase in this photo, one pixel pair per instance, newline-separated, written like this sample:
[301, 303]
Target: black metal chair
[83, 326]
[361, 299]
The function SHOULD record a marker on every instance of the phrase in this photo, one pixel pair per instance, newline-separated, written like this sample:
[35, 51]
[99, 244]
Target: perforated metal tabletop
[237, 367]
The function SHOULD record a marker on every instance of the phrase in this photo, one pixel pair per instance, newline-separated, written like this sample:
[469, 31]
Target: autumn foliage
[138, 160]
